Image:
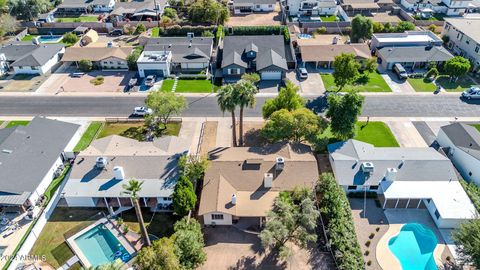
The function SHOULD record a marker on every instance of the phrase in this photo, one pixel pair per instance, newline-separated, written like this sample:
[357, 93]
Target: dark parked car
[400, 71]
[115, 33]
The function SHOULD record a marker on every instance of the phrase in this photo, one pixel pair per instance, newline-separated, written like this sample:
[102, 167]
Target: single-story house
[46, 17]
[408, 38]
[412, 56]
[322, 52]
[461, 142]
[249, 6]
[243, 182]
[161, 56]
[138, 10]
[366, 7]
[101, 170]
[403, 178]
[73, 7]
[102, 5]
[29, 58]
[261, 54]
[101, 57]
[311, 7]
[30, 157]
[448, 7]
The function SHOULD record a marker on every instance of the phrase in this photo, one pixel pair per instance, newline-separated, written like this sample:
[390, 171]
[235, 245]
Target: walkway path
[406, 134]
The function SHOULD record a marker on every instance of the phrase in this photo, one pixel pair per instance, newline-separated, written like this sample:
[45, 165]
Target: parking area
[62, 81]
[256, 18]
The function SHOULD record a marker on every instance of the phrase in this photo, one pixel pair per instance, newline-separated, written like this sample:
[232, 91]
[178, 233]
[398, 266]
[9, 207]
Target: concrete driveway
[397, 85]
[313, 85]
[406, 134]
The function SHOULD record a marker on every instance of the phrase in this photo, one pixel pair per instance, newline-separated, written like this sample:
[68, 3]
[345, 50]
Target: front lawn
[331, 18]
[17, 123]
[78, 19]
[422, 85]
[375, 83]
[88, 136]
[136, 130]
[460, 85]
[188, 86]
[155, 31]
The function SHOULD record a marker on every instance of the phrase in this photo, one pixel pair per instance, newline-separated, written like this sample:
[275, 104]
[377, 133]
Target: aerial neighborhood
[240, 134]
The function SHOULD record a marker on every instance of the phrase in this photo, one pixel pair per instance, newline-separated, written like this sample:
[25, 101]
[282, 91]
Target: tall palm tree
[132, 188]
[244, 96]
[226, 101]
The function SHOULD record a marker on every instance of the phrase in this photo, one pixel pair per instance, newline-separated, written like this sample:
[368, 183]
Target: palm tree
[132, 188]
[226, 101]
[244, 96]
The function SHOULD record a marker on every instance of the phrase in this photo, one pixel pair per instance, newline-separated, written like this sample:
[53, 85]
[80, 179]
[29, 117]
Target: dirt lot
[257, 18]
[22, 83]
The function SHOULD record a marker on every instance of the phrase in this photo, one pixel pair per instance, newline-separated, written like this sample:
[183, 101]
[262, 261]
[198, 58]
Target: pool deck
[397, 218]
[121, 238]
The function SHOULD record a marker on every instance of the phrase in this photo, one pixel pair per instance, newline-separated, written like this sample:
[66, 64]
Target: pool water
[414, 247]
[100, 246]
[52, 38]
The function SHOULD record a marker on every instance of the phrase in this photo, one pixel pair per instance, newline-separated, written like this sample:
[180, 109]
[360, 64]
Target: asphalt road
[375, 106]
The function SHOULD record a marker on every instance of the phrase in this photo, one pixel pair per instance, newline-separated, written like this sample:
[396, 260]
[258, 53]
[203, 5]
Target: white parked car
[472, 93]
[141, 111]
[150, 80]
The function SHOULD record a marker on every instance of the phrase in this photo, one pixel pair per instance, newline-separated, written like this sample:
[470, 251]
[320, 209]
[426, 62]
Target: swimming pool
[100, 246]
[414, 247]
[50, 38]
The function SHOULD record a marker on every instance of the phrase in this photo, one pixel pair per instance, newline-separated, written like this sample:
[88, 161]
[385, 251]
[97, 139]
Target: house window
[467, 41]
[352, 187]
[34, 68]
[217, 217]
[437, 214]
[373, 188]
[233, 71]
[476, 49]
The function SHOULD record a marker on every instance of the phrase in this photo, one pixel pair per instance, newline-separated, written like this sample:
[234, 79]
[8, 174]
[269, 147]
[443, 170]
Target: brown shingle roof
[241, 170]
[327, 53]
[95, 53]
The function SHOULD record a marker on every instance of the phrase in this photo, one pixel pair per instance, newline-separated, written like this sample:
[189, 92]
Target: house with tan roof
[322, 51]
[100, 171]
[243, 182]
[101, 57]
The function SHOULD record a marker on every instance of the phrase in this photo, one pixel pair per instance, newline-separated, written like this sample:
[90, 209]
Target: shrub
[369, 263]
[377, 229]
[286, 35]
[321, 30]
[220, 33]
[140, 29]
[432, 28]
[207, 34]
[371, 236]
[98, 80]
[367, 252]
[85, 65]
[177, 30]
[445, 39]
[432, 73]
[367, 244]
[70, 38]
[125, 228]
[259, 30]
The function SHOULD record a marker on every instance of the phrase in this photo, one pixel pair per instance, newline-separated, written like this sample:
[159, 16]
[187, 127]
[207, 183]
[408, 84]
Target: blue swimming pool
[414, 247]
[100, 246]
[50, 38]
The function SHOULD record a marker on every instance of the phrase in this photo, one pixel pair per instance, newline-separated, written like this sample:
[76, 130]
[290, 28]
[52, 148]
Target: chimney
[118, 173]
[367, 167]
[268, 180]
[234, 199]
[279, 163]
[101, 162]
[391, 174]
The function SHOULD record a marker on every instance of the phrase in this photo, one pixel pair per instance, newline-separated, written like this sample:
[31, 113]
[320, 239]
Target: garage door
[271, 75]
[158, 73]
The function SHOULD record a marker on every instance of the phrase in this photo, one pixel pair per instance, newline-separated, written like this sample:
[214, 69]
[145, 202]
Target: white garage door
[271, 75]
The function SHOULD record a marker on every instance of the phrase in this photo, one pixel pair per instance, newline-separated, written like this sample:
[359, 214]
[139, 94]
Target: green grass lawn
[157, 224]
[135, 130]
[189, 86]
[331, 18]
[155, 32]
[17, 123]
[460, 85]
[375, 83]
[422, 85]
[29, 37]
[77, 19]
[88, 136]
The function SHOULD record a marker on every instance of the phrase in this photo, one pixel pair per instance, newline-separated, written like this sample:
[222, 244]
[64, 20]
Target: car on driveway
[400, 71]
[115, 33]
[472, 93]
[302, 73]
[141, 111]
[150, 80]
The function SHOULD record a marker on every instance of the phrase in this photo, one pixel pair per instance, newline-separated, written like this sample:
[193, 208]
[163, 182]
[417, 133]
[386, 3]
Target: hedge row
[260, 30]
[177, 30]
[335, 208]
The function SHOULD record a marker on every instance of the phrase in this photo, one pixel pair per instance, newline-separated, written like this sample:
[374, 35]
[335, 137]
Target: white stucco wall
[193, 65]
[227, 219]
[47, 67]
[46, 180]
[80, 202]
[114, 63]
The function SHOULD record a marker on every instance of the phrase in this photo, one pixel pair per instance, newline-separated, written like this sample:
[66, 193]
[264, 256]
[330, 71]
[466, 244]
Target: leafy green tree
[132, 189]
[133, 57]
[288, 98]
[184, 198]
[343, 112]
[165, 21]
[467, 239]
[227, 102]
[164, 106]
[293, 218]
[189, 243]
[378, 27]
[456, 67]
[160, 256]
[208, 11]
[85, 65]
[193, 167]
[362, 28]
[298, 125]
[170, 13]
[207, 34]
[244, 92]
[388, 28]
[139, 29]
[404, 26]
[370, 65]
[70, 38]
[29, 9]
[8, 24]
[335, 208]
[432, 28]
[432, 73]
[251, 77]
[345, 70]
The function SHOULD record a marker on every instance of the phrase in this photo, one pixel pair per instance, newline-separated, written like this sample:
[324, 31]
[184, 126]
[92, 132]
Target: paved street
[375, 106]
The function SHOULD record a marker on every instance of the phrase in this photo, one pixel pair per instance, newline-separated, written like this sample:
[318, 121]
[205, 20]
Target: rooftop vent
[101, 162]
[7, 151]
[268, 180]
[118, 173]
[390, 174]
[279, 163]
[367, 167]
[234, 199]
